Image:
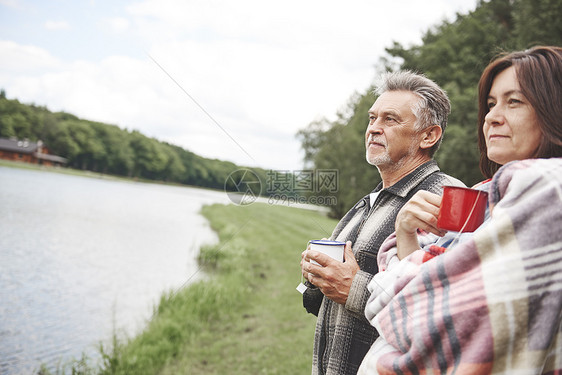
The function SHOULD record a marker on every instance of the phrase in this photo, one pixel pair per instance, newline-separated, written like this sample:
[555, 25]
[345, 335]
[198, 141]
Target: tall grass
[246, 317]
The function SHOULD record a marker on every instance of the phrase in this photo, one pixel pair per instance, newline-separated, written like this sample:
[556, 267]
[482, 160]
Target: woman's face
[511, 126]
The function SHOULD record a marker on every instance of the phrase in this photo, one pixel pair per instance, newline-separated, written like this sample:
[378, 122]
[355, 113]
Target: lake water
[82, 258]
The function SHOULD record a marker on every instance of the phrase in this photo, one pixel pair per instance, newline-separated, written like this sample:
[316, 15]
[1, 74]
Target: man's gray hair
[434, 106]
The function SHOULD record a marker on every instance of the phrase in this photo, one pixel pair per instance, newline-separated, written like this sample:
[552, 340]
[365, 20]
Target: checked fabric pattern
[490, 305]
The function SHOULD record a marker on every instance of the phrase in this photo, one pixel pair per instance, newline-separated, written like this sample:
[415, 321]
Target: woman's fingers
[419, 212]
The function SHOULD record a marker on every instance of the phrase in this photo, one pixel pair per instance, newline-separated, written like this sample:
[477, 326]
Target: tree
[174, 168]
[142, 150]
[537, 22]
[61, 142]
[119, 156]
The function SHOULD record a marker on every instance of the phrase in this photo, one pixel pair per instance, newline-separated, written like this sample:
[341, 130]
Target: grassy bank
[247, 317]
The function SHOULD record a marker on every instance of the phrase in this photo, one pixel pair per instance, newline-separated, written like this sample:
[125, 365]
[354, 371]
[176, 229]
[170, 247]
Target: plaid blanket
[491, 304]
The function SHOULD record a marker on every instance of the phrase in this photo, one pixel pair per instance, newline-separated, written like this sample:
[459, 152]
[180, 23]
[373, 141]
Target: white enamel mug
[333, 249]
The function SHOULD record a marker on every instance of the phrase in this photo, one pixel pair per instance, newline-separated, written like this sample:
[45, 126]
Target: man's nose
[374, 128]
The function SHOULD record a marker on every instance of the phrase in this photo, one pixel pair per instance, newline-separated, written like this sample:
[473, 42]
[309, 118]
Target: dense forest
[111, 150]
[453, 54]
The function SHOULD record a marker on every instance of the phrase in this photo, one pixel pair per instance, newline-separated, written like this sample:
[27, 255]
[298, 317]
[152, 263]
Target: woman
[493, 302]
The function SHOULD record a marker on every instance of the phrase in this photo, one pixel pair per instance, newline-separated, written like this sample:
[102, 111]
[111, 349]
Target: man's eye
[390, 118]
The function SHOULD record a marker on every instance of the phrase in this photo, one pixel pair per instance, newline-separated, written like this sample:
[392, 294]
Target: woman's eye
[491, 105]
[514, 101]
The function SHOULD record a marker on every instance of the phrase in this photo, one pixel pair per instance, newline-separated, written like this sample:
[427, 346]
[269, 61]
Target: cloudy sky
[232, 80]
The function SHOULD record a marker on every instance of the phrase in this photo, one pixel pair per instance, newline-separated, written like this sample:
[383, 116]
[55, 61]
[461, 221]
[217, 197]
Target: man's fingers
[320, 258]
[314, 269]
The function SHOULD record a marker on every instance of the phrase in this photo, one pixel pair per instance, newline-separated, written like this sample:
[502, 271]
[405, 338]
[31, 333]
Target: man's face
[390, 139]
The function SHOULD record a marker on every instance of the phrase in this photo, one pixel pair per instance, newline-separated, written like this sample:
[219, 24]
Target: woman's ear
[431, 136]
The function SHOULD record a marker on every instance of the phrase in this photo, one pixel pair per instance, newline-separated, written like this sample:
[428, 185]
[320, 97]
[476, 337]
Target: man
[406, 124]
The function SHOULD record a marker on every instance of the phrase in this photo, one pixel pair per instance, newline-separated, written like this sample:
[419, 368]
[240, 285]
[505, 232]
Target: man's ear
[430, 136]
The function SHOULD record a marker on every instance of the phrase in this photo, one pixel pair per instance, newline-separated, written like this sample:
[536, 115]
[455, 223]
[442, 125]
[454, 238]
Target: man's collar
[408, 182]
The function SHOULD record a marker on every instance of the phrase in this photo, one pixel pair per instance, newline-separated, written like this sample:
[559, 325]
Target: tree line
[453, 54]
[108, 149]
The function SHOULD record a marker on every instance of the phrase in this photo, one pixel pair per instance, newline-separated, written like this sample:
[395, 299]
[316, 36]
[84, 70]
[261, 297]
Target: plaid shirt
[343, 334]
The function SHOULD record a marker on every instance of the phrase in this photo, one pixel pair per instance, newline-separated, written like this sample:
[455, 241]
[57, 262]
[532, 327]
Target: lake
[82, 258]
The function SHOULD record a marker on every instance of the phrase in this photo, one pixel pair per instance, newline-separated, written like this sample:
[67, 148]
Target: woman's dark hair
[539, 73]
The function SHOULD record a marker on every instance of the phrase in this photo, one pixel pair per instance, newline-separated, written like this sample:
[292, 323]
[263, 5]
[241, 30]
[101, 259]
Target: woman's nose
[494, 116]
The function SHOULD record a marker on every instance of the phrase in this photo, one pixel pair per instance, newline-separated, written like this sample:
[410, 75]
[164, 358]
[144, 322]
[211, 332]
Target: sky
[228, 80]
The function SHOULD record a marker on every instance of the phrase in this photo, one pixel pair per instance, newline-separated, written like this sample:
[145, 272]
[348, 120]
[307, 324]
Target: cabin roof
[28, 147]
[18, 145]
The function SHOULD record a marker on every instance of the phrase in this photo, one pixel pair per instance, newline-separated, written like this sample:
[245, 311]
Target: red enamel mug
[462, 209]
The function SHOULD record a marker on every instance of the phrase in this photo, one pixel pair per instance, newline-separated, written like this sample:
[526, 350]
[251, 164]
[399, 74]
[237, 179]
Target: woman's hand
[419, 212]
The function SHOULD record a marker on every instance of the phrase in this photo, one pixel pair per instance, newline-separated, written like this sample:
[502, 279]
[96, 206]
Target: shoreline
[246, 316]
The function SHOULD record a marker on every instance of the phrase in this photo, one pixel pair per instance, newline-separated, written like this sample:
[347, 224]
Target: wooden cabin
[28, 152]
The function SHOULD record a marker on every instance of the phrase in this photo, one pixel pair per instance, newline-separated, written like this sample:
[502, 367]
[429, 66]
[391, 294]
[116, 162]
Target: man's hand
[332, 277]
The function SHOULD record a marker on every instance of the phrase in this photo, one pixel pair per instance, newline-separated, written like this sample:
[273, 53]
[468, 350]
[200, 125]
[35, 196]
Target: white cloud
[57, 25]
[10, 3]
[24, 59]
[117, 24]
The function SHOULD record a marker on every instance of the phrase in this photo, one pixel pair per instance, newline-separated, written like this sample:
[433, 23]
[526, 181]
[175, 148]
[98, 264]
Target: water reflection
[80, 256]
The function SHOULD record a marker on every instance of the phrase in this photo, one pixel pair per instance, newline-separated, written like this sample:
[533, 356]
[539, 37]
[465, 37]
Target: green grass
[246, 317]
